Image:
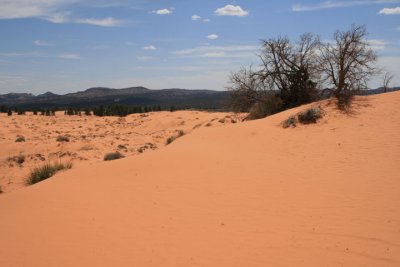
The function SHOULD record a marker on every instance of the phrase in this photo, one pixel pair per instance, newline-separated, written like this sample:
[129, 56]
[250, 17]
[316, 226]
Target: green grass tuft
[45, 171]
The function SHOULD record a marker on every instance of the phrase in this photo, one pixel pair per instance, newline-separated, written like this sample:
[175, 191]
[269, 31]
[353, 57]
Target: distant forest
[111, 110]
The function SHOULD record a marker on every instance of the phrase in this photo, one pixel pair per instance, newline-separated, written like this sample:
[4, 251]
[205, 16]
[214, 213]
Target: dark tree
[387, 78]
[349, 62]
[288, 77]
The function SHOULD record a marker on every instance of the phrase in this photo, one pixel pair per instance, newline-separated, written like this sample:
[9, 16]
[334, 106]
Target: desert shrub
[289, 122]
[62, 138]
[17, 159]
[310, 115]
[270, 105]
[122, 147]
[173, 138]
[113, 156]
[45, 171]
[20, 139]
[344, 100]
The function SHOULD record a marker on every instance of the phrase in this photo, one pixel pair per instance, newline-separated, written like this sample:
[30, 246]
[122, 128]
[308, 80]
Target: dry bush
[270, 105]
[173, 138]
[289, 122]
[62, 138]
[17, 159]
[310, 115]
[20, 139]
[113, 156]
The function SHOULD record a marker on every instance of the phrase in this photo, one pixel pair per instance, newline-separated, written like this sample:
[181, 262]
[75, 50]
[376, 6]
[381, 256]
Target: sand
[90, 138]
[248, 194]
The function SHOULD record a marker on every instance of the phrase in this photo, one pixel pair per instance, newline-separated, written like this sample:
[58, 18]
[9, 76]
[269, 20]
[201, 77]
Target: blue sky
[69, 45]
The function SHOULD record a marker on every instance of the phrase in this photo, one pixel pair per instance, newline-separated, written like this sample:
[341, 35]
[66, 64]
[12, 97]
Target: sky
[70, 45]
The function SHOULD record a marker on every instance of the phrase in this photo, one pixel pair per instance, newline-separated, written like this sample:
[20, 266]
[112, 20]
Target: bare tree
[349, 62]
[387, 78]
[246, 89]
[286, 78]
[291, 68]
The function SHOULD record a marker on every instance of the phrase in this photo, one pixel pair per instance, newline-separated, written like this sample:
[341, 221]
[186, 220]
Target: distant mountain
[378, 91]
[47, 94]
[134, 96]
[14, 97]
[138, 96]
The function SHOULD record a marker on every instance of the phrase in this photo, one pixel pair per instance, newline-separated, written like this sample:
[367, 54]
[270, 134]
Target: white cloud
[107, 22]
[54, 11]
[196, 17]
[69, 56]
[213, 36]
[164, 11]
[45, 9]
[213, 49]
[41, 43]
[62, 17]
[339, 4]
[231, 10]
[377, 44]
[214, 55]
[243, 52]
[390, 11]
[150, 47]
[206, 20]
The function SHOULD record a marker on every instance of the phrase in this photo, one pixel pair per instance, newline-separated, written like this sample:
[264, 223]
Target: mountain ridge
[139, 95]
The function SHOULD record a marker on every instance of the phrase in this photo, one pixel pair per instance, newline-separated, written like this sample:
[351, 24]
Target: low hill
[249, 194]
[139, 96]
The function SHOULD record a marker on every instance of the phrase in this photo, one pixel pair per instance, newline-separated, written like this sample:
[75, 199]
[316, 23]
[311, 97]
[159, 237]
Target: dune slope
[250, 194]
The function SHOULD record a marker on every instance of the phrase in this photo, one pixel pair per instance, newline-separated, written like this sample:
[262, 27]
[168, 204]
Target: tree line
[101, 110]
[296, 73]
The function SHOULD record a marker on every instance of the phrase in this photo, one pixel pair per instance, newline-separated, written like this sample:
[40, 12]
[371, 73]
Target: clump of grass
[310, 115]
[17, 159]
[62, 138]
[113, 156]
[20, 139]
[289, 122]
[174, 137]
[45, 171]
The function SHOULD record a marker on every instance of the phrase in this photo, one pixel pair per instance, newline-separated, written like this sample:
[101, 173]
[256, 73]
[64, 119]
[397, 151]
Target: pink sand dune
[250, 194]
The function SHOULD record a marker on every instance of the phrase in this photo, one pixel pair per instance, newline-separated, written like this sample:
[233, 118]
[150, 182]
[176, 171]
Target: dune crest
[249, 194]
